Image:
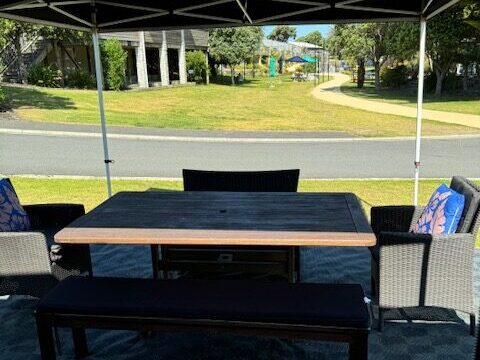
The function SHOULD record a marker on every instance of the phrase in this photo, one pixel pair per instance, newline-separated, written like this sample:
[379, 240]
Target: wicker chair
[417, 270]
[234, 261]
[30, 262]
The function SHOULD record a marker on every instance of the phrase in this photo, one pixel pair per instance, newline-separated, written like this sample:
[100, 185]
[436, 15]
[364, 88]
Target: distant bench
[329, 312]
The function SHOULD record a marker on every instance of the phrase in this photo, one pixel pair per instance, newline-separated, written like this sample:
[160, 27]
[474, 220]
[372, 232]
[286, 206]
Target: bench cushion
[337, 305]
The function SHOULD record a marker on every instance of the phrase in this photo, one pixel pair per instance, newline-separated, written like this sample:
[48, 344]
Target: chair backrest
[470, 219]
[238, 181]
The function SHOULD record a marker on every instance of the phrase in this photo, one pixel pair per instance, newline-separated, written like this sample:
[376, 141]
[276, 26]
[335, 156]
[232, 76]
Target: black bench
[298, 311]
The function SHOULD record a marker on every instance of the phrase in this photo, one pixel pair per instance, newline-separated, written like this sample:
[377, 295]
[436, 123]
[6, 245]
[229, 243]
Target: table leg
[45, 338]
[155, 260]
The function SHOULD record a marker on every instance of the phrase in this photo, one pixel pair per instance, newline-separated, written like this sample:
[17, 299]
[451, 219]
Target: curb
[204, 139]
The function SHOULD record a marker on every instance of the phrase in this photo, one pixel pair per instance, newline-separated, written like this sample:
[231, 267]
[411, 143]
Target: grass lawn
[259, 104]
[92, 192]
[467, 104]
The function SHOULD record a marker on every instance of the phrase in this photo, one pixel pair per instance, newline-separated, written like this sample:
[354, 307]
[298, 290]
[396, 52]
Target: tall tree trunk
[21, 76]
[59, 60]
[465, 77]
[253, 66]
[89, 60]
[439, 85]
[378, 84]
[360, 73]
[232, 74]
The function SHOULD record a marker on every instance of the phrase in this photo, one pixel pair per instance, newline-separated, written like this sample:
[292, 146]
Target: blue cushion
[442, 213]
[278, 302]
[12, 215]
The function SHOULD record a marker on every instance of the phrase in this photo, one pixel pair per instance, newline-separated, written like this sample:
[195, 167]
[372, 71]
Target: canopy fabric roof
[296, 59]
[128, 15]
[309, 59]
[306, 45]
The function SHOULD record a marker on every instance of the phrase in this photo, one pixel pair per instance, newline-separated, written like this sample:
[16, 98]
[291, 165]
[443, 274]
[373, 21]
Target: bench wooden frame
[357, 339]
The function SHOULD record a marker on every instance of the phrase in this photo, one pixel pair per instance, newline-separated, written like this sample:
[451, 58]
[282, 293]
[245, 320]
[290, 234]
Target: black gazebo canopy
[126, 15]
[129, 15]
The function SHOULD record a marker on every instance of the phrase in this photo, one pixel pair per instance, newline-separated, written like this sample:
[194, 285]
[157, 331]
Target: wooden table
[223, 218]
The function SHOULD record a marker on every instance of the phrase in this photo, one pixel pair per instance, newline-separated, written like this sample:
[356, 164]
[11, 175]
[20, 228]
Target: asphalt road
[334, 158]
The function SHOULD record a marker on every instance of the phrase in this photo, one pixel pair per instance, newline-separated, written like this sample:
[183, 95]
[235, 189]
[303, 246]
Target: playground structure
[283, 52]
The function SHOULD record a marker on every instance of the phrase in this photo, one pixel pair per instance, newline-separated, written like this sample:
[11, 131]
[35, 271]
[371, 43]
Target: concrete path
[330, 92]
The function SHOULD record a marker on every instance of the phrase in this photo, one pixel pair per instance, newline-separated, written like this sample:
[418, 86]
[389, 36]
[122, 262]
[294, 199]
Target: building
[154, 58]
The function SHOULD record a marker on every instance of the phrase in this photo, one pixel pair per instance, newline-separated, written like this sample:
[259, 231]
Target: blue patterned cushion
[442, 214]
[12, 215]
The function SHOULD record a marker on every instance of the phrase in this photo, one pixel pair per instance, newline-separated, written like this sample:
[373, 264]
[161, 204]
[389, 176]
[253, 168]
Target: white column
[99, 76]
[164, 61]
[140, 53]
[421, 72]
[182, 63]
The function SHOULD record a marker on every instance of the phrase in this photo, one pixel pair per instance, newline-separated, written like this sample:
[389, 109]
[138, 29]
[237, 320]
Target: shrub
[394, 77]
[310, 67]
[261, 69]
[4, 106]
[44, 76]
[80, 79]
[451, 82]
[114, 60]
[196, 61]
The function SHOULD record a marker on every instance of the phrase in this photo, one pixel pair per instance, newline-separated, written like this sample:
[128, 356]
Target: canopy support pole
[421, 73]
[99, 76]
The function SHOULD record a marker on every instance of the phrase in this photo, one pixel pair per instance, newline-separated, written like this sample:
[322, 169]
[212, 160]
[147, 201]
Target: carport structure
[97, 16]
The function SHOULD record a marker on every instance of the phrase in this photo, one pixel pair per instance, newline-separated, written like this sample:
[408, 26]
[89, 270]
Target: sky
[303, 29]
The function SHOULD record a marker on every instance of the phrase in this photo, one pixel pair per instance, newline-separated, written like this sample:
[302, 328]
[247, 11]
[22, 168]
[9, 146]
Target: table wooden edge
[77, 235]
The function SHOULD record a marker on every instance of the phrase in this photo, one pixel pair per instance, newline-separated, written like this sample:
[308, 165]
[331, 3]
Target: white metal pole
[421, 73]
[99, 76]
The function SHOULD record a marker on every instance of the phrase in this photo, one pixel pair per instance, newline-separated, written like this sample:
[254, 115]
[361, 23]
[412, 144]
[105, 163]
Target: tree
[471, 13]
[445, 33]
[11, 32]
[403, 41]
[347, 41]
[378, 49]
[315, 37]
[363, 42]
[196, 62]
[58, 37]
[283, 33]
[232, 46]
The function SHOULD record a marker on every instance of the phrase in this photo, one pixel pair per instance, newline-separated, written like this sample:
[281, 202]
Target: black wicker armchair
[417, 270]
[30, 262]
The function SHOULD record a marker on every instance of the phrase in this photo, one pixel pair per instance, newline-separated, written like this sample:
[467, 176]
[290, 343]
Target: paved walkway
[330, 92]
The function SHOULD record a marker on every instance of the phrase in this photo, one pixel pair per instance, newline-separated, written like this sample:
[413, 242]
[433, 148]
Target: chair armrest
[44, 216]
[23, 253]
[426, 270]
[393, 218]
[24, 264]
